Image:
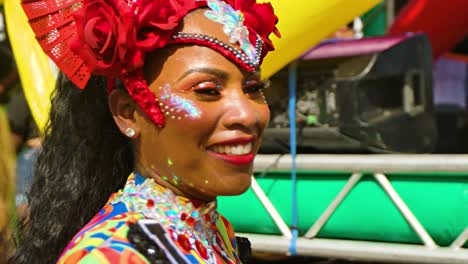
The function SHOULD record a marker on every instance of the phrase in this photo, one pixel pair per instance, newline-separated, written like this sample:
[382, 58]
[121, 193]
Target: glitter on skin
[169, 161]
[206, 181]
[164, 178]
[174, 101]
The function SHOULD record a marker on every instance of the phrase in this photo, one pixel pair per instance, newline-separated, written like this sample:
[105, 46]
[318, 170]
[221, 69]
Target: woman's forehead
[187, 60]
[177, 60]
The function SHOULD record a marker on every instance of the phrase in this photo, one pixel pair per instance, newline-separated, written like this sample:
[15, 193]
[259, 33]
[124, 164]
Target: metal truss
[378, 165]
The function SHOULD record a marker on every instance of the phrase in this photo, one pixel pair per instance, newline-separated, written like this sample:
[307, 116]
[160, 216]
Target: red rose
[156, 22]
[259, 18]
[102, 40]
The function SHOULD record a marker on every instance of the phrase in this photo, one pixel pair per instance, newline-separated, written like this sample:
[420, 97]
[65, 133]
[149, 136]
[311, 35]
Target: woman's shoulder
[104, 239]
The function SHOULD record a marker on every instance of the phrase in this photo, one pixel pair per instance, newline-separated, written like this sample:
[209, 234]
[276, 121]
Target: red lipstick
[240, 160]
[234, 159]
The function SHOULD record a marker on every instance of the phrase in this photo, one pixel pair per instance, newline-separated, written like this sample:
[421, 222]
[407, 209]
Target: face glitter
[264, 98]
[177, 106]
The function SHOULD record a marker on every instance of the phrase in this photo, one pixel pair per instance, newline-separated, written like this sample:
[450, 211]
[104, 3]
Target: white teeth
[233, 149]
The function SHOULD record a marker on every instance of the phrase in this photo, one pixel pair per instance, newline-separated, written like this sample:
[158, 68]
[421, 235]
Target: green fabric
[440, 202]
[375, 21]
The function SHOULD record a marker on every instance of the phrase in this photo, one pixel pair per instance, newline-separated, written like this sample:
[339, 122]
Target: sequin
[190, 221]
[201, 249]
[183, 216]
[184, 242]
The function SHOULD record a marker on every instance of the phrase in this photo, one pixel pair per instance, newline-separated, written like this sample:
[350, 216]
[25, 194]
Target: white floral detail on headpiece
[233, 21]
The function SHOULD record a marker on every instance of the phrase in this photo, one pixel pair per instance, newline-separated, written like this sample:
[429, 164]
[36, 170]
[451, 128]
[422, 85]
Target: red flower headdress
[111, 38]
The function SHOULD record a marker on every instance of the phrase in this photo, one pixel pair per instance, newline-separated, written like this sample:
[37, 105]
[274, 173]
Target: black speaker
[366, 95]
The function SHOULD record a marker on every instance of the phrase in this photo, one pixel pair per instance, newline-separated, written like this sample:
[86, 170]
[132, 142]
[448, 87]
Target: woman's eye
[207, 88]
[255, 87]
[208, 92]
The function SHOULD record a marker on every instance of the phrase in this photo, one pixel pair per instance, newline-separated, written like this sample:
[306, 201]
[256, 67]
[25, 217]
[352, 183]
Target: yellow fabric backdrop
[34, 67]
[303, 23]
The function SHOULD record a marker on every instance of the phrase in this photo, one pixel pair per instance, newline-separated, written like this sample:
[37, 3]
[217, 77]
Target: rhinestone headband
[231, 52]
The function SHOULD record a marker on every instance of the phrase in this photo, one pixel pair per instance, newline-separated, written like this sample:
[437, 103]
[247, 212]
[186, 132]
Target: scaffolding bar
[405, 211]
[461, 240]
[313, 231]
[366, 163]
[271, 209]
[359, 250]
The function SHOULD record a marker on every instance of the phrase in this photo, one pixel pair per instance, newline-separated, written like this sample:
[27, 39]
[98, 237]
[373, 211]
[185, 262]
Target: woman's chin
[237, 187]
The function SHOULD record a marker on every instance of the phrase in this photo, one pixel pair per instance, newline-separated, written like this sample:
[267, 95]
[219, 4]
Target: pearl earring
[130, 132]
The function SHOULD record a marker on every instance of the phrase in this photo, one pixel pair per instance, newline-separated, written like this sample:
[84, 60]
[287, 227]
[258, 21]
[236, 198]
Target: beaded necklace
[194, 228]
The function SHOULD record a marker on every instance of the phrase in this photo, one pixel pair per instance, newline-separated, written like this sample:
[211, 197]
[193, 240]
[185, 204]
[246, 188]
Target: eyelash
[212, 88]
[209, 88]
[254, 88]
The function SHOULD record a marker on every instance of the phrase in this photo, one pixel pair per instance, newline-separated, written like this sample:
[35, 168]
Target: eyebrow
[216, 72]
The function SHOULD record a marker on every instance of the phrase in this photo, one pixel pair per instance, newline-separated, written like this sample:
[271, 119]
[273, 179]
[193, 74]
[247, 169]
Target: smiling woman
[171, 95]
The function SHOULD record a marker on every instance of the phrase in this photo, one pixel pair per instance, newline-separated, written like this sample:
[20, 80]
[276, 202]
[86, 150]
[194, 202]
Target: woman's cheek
[264, 115]
[176, 107]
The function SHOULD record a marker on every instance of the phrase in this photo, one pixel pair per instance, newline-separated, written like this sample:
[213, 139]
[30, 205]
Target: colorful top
[197, 230]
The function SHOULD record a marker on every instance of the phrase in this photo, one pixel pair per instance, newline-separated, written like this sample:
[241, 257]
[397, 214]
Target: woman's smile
[237, 151]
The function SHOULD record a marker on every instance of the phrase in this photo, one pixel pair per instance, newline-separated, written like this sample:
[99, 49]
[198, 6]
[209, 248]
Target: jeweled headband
[111, 37]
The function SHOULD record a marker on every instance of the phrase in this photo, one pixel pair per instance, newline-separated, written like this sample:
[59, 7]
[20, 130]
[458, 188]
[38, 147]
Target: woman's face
[215, 117]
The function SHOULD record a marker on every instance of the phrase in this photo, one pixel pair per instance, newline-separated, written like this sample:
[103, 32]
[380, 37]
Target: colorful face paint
[176, 107]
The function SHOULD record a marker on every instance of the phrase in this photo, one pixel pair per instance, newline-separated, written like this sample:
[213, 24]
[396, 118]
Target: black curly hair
[84, 159]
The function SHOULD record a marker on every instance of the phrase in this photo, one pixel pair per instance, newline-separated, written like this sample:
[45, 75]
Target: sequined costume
[198, 231]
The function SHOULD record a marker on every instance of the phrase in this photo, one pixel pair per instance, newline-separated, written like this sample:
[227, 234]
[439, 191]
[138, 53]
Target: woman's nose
[240, 112]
